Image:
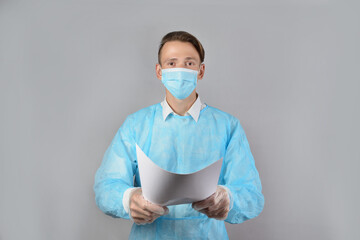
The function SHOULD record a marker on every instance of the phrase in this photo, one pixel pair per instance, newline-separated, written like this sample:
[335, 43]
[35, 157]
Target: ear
[158, 71]
[201, 71]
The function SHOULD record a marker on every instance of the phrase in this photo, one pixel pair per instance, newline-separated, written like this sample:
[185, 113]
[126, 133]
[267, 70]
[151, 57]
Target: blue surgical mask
[180, 82]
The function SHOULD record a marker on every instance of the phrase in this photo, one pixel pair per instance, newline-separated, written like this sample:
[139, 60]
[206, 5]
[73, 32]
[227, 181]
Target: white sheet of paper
[166, 188]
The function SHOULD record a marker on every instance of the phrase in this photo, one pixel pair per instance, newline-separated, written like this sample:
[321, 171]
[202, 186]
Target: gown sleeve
[115, 174]
[241, 178]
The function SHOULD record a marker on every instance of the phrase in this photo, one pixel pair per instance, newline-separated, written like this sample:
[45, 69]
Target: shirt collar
[194, 110]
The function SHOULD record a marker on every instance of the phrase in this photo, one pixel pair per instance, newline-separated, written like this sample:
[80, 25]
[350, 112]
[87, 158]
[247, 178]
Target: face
[176, 54]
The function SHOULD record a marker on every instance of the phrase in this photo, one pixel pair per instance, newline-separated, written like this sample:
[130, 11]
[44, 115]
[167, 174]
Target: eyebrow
[169, 59]
[175, 59]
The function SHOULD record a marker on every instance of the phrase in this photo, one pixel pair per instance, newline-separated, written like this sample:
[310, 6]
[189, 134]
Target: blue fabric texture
[190, 146]
[179, 81]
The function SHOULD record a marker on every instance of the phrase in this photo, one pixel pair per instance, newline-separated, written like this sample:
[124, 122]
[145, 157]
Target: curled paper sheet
[166, 188]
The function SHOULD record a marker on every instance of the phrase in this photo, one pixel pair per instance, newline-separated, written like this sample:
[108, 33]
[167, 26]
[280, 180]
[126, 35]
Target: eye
[190, 64]
[171, 64]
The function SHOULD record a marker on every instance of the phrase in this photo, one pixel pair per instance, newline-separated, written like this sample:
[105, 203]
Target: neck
[181, 106]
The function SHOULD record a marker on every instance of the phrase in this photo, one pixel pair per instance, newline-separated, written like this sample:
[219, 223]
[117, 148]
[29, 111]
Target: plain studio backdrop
[71, 71]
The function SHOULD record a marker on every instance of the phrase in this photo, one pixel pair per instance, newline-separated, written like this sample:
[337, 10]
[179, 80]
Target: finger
[204, 211]
[137, 211]
[221, 207]
[219, 200]
[154, 208]
[135, 214]
[220, 214]
[137, 208]
[166, 210]
[140, 208]
[204, 203]
[156, 216]
[214, 208]
[139, 205]
[143, 207]
[209, 212]
[201, 204]
[141, 221]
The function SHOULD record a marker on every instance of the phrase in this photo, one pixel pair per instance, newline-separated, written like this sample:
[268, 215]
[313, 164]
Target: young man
[181, 134]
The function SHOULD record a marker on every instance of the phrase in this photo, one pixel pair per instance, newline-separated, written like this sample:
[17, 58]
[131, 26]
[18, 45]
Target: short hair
[182, 36]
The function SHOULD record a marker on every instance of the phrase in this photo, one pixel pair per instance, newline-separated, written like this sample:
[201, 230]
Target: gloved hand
[216, 206]
[143, 211]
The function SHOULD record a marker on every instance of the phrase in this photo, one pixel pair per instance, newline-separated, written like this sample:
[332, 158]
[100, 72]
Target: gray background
[71, 71]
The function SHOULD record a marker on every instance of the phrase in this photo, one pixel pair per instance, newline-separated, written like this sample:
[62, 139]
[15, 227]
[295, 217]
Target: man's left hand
[216, 206]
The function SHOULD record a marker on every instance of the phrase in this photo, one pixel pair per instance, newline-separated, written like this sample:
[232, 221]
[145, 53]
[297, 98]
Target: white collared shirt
[194, 110]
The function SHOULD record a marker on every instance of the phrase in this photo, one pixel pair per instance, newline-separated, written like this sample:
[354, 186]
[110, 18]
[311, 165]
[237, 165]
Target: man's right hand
[143, 211]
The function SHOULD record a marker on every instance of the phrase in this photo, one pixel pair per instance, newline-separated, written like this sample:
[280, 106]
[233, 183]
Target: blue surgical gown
[180, 144]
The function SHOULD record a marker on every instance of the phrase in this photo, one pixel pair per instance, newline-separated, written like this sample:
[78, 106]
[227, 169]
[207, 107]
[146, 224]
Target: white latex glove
[216, 206]
[143, 211]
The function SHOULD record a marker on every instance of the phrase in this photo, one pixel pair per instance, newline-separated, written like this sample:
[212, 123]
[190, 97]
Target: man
[181, 134]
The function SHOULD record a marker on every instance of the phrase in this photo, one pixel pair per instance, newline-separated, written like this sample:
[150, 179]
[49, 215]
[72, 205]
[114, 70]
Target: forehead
[177, 49]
